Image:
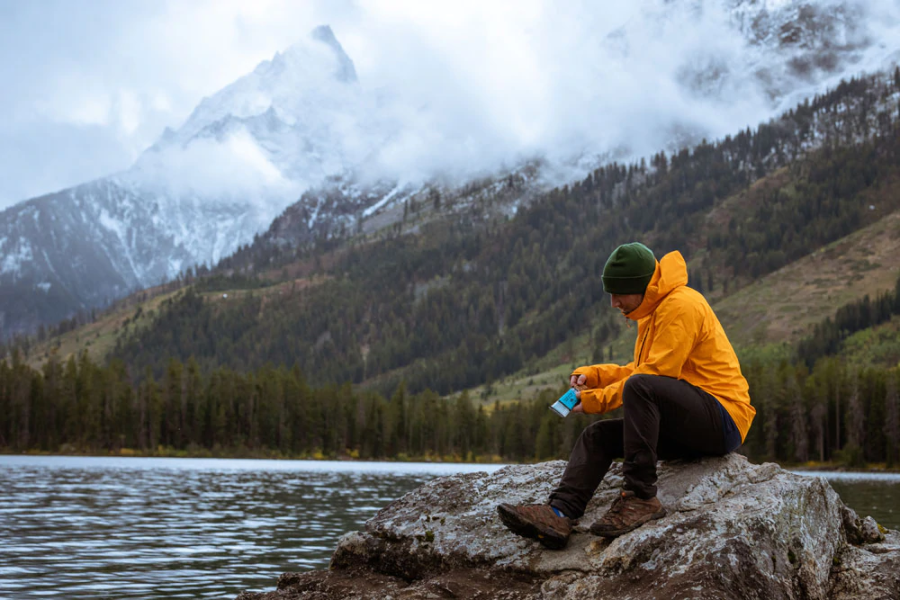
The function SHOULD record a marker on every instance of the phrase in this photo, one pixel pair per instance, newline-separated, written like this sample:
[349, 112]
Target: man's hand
[576, 380]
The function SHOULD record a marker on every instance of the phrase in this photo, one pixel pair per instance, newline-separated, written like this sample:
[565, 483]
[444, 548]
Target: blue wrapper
[565, 404]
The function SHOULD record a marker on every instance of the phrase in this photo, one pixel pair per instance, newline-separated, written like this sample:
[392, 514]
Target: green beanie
[629, 269]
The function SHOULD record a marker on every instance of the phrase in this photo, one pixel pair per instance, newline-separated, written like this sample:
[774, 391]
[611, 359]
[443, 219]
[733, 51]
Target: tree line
[831, 412]
[815, 406]
[828, 413]
[80, 406]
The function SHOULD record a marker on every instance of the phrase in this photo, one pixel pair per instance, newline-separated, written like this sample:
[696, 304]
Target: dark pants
[664, 419]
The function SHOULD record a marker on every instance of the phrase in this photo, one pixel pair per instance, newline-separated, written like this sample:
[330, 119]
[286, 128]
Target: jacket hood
[671, 273]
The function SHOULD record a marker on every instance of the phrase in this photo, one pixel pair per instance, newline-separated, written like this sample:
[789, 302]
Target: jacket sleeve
[606, 374]
[675, 332]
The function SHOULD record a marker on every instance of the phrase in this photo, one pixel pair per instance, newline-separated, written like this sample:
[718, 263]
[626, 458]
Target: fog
[468, 86]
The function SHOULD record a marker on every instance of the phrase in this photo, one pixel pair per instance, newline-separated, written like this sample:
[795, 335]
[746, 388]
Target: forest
[828, 414]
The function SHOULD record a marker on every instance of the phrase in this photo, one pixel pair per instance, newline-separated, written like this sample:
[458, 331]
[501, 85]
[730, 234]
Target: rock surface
[733, 530]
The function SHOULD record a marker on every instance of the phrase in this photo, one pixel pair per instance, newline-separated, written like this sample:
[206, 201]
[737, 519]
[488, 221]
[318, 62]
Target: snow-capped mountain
[242, 156]
[302, 126]
[794, 48]
[788, 50]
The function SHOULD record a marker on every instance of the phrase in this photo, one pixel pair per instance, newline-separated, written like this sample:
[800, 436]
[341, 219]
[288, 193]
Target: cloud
[89, 86]
[469, 85]
[233, 168]
[484, 85]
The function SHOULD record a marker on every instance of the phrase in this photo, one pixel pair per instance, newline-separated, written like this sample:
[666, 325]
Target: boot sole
[614, 533]
[518, 525]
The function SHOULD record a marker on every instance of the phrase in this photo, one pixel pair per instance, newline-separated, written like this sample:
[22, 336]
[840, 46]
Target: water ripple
[76, 527]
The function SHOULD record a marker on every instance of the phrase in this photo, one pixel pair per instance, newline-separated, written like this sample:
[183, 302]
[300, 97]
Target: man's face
[626, 302]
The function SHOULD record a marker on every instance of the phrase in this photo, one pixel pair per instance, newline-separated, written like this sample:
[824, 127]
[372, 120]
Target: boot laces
[621, 507]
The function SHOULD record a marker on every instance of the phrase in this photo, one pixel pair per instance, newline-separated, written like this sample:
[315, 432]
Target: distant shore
[842, 469]
[243, 453]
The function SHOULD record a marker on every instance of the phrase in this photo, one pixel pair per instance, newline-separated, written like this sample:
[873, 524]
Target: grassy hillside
[782, 306]
[131, 315]
[99, 337]
[874, 347]
[777, 308]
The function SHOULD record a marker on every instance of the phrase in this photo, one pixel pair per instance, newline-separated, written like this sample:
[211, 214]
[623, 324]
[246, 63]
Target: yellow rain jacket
[679, 336]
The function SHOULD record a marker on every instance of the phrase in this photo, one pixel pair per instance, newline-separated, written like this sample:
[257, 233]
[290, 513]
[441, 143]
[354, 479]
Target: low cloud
[589, 79]
[467, 86]
[232, 169]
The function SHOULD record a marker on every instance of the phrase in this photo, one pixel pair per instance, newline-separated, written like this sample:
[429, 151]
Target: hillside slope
[781, 306]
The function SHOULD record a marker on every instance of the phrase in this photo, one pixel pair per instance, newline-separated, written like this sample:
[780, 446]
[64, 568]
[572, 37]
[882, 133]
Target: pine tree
[892, 420]
[545, 444]
[856, 418]
[819, 418]
[799, 429]
[837, 417]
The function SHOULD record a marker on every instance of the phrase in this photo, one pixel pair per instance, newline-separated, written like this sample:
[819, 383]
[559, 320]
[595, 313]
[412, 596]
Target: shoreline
[263, 456]
[478, 460]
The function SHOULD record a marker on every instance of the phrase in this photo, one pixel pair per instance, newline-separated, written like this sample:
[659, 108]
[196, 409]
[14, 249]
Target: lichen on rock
[733, 530]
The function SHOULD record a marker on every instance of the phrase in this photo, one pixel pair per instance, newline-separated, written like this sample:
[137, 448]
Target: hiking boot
[537, 521]
[627, 512]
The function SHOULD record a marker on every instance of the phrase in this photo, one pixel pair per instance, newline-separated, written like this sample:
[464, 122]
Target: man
[684, 397]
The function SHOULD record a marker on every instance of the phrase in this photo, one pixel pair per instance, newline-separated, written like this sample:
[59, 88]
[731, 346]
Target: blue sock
[558, 512]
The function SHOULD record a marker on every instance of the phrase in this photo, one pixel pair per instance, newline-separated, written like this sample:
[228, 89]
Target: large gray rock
[733, 530]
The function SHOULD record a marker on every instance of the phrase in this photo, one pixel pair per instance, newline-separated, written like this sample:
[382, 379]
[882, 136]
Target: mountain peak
[346, 72]
[315, 71]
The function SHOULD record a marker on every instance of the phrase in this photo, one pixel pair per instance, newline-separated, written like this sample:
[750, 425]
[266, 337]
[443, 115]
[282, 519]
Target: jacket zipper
[644, 341]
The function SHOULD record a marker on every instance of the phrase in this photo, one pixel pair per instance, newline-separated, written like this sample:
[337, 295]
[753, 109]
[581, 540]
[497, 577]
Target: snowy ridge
[371, 210]
[196, 195]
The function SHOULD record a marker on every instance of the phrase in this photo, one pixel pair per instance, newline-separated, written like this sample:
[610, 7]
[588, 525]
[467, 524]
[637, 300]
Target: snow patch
[12, 262]
[120, 230]
[113, 225]
[371, 210]
[314, 217]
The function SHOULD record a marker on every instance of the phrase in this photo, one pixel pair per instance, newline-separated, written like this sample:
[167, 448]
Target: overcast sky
[88, 84]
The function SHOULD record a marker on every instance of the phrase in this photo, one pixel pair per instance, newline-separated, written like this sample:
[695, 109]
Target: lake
[95, 527]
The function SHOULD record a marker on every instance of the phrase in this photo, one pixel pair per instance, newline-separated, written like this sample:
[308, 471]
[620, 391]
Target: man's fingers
[577, 380]
[578, 409]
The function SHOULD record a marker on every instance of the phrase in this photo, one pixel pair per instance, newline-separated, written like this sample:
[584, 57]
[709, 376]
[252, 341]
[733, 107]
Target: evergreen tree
[799, 429]
[892, 421]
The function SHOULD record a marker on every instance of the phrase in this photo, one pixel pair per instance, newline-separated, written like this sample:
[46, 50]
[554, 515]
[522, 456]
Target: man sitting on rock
[684, 397]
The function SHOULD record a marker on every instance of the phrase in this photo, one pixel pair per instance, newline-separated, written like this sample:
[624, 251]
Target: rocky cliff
[733, 530]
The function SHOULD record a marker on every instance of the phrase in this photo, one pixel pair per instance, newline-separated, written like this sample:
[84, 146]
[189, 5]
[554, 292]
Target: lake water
[78, 527]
